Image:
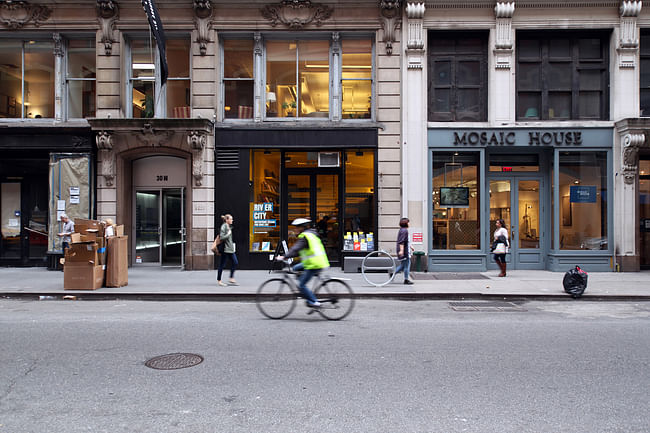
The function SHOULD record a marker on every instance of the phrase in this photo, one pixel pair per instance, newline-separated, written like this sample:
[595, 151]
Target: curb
[250, 297]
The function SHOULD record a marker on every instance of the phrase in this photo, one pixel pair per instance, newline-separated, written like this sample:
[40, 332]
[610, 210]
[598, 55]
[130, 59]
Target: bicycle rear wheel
[275, 299]
[336, 298]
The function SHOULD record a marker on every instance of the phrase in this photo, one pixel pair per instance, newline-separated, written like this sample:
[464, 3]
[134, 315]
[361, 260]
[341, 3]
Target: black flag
[159, 34]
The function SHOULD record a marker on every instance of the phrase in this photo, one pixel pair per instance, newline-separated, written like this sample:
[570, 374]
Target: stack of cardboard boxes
[94, 259]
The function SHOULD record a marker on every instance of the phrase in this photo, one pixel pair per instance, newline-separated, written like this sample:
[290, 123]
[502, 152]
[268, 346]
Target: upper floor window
[149, 98]
[457, 76]
[314, 78]
[562, 76]
[80, 78]
[27, 79]
[645, 72]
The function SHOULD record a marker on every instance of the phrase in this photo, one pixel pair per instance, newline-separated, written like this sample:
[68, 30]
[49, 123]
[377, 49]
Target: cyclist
[313, 258]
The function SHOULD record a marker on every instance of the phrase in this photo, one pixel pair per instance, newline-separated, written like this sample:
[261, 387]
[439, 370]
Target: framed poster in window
[566, 210]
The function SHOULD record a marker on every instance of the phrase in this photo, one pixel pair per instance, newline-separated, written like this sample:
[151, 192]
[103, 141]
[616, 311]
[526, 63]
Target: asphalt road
[392, 366]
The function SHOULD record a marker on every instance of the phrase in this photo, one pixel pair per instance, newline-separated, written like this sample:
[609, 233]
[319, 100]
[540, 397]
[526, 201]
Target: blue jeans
[304, 279]
[222, 264]
[404, 264]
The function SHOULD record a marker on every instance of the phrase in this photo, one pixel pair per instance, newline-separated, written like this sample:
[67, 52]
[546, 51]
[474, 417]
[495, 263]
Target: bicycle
[378, 268]
[276, 298]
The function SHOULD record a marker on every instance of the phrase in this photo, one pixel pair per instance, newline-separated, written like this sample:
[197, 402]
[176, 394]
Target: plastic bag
[575, 282]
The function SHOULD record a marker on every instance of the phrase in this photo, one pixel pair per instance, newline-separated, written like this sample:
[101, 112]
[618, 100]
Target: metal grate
[227, 159]
[174, 361]
[495, 306]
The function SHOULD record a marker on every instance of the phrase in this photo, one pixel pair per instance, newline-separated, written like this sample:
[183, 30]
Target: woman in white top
[500, 246]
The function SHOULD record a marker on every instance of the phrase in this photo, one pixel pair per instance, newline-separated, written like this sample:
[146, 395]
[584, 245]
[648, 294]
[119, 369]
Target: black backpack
[575, 282]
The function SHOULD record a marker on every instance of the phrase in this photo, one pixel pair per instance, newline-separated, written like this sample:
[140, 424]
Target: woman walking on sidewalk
[228, 251]
[500, 246]
[403, 250]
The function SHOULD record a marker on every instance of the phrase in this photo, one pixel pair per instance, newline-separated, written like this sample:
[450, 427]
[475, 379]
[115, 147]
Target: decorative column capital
[390, 11]
[197, 140]
[202, 15]
[630, 8]
[107, 14]
[630, 152]
[104, 140]
[504, 9]
[415, 15]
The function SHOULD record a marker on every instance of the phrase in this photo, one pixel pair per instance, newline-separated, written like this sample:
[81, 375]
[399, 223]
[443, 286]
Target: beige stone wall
[389, 177]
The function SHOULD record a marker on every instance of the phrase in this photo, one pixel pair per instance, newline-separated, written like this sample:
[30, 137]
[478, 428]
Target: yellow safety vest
[314, 256]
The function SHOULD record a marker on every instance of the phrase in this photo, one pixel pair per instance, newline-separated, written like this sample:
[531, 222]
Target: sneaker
[313, 304]
[408, 282]
[219, 283]
[233, 283]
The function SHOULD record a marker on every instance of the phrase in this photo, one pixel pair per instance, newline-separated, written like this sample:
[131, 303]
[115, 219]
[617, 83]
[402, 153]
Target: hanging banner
[159, 34]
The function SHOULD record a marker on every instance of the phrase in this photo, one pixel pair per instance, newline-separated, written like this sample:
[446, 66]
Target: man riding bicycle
[313, 258]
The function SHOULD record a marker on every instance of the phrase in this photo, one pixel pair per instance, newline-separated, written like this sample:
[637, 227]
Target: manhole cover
[485, 306]
[174, 361]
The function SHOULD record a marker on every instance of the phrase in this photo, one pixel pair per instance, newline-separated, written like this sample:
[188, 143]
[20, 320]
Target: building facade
[531, 112]
[267, 110]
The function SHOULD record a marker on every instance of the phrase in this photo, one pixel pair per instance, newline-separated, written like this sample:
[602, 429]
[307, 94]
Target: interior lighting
[144, 66]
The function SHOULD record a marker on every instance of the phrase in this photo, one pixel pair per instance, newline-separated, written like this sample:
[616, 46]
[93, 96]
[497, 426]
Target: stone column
[501, 79]
[629, 138]
[625, 74]
[59, 74]
[414, 125]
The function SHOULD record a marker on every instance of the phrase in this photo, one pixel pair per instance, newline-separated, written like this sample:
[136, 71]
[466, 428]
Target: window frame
[455, 57]
[644, 37]
[260, 71]
[68, 78]
[545, 60]
[160, 91]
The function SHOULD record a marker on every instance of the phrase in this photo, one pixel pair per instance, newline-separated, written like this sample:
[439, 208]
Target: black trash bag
[575, 282]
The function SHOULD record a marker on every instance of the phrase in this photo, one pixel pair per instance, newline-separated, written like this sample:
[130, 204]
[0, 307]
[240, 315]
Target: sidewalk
[173, 284]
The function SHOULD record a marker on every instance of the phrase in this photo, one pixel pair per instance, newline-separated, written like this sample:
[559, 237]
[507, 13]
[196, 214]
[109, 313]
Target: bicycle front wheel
[275, 299]
[336, 298]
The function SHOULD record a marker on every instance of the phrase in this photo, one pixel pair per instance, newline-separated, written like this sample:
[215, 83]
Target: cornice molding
[17, 14]
[521, 4]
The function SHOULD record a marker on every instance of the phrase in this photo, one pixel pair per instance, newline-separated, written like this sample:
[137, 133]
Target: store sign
[260, 215]
[529, 137]
[417, 238]
[582, 194]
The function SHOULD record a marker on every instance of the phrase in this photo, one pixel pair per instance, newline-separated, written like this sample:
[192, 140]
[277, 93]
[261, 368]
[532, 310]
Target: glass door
[173, 228]
[160, 227]
[147, 227]
[315, 196]
[10, 211]
[523, 220]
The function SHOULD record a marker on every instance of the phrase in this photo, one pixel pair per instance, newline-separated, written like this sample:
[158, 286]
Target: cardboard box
[82, 252]
[119, 230]
[101, 251]
[86, 227]
[82, 276]
[75, 237]
[117, 261]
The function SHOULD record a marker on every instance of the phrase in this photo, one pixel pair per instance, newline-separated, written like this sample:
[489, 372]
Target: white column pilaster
[415, 201]
[500, 68]
[625, 76]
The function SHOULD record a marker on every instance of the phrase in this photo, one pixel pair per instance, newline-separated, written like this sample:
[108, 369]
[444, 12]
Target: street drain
[174, 361]
[485, 306]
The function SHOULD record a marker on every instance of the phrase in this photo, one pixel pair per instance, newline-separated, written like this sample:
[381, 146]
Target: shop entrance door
[23, 221]
[644, 211]
[160, 227]
[523, 220]
[315, 194]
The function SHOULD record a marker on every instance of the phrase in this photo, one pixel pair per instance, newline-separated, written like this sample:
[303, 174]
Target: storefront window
[456, 224]
[583, 200]
[359, 221]
[264, 208]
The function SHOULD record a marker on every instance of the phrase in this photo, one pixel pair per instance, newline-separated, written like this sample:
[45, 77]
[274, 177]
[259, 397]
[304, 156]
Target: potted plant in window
[290, 107]
[148, 106]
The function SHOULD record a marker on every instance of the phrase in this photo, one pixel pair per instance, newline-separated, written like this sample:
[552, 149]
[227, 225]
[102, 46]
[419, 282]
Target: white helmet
[301, 222]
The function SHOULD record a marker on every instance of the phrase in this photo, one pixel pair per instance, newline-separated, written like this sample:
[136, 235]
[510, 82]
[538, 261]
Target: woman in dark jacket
[403, 250]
